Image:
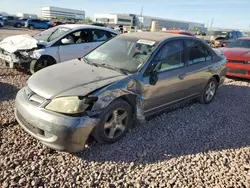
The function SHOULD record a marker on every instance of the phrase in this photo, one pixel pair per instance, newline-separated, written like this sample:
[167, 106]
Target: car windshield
[123, 53]
[51, 34]
[218, 33]
[239, 44]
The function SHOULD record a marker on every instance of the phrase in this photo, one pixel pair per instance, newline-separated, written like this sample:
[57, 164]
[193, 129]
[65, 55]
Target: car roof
[155, 36]
[179, 32]
[83, 26]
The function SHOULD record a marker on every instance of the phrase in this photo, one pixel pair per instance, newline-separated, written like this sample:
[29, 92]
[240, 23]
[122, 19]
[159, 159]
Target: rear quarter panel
[220, 69]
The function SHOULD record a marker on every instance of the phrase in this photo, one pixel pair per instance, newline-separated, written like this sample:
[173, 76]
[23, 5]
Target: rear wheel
[31, 27]
[209, 91]
[18, 25]
[39, 64]
[115, 121]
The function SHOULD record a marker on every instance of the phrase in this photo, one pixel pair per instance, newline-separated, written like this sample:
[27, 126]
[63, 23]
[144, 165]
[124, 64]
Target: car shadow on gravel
[7, 91]
[189, 129]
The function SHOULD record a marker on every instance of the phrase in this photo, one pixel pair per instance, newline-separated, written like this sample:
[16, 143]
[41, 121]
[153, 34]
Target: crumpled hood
[19, 42]
[236, 53]
[71, 78]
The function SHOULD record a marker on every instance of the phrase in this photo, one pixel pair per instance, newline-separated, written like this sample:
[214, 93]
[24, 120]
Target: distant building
[56, 12]
[145, 21]
[114, 19]
[26, 15]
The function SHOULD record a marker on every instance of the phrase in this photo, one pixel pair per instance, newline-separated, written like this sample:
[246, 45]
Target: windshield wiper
[88, 62]
[114, 68]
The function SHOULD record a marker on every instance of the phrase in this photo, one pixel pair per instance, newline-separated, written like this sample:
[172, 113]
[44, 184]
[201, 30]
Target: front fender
[129, 88]
[37, 54]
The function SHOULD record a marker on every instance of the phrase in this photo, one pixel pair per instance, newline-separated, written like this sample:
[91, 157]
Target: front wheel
[115, 121]
[209, 91]
[39, 64]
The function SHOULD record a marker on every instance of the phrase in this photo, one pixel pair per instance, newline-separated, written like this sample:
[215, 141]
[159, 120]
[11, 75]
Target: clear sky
[226, 13]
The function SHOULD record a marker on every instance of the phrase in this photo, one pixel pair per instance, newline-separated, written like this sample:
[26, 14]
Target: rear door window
[197, 52]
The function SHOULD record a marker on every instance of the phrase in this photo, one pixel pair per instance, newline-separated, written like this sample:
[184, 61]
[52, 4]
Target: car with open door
[55, 45]
[131, 76]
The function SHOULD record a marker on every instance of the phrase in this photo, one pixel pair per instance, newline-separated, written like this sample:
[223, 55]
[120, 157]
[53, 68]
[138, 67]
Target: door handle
[182, 76]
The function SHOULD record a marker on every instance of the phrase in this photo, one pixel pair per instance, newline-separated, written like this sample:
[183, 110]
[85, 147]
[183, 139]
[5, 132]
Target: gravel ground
[192, 146]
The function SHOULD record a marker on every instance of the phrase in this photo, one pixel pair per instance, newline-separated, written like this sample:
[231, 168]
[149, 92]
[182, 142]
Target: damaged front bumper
[57, 131]
[13, 59]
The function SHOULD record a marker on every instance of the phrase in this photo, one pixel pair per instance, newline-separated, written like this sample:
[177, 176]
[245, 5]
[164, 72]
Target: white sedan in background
[58, 44]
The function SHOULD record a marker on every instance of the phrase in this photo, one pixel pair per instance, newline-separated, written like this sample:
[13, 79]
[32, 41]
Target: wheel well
[50, 58]
[131, 100]
[217, 78]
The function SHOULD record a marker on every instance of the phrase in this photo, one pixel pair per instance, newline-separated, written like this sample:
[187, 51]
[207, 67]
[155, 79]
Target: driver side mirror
[153, 73]
[65, 41]
[153, 79]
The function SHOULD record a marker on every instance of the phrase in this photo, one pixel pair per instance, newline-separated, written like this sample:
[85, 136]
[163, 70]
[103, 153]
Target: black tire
[18, 25]
[204, 99]
[100, 133]
[39, 64]
[31, 27]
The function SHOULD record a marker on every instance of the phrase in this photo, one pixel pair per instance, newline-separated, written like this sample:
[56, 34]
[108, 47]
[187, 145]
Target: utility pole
[207, 25]
[212, 22]
[141, 17]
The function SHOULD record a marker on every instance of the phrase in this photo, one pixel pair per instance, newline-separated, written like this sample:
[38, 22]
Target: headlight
[68, 105]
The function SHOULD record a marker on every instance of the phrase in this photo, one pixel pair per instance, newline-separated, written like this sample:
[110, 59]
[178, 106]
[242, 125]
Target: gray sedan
[132, 76]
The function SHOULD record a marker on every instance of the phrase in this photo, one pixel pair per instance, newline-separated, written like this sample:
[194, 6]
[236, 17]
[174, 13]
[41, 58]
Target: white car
[55, 45]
